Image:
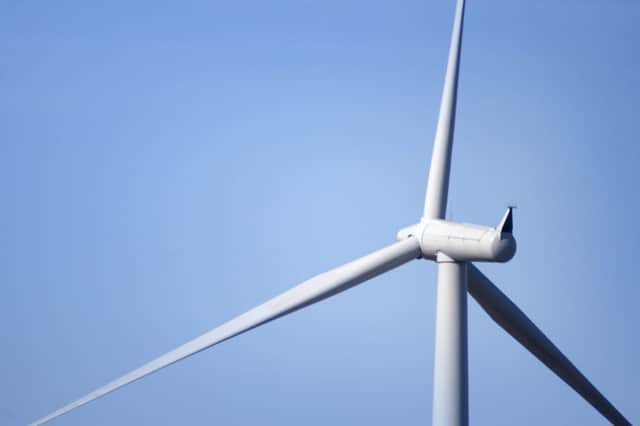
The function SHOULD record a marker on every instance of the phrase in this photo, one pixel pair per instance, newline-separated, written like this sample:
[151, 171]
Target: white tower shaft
[450, 383]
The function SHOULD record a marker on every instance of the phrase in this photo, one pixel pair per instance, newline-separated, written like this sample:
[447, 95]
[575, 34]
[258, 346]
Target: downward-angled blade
[311, 291]
[515, 322]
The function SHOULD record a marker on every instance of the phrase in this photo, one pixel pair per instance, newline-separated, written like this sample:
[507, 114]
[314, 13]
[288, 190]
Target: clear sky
[164, 166]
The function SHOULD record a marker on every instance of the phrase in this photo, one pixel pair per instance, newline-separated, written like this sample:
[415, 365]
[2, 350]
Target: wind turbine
[453, 246]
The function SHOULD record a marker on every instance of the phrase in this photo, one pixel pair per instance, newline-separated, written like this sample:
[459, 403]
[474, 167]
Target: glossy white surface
[435, 204]
[311, 291]
[450, 375]
[503, 311]
[464, 242]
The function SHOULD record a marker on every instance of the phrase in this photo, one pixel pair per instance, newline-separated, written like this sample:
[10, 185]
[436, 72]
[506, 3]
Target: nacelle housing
[464, 241]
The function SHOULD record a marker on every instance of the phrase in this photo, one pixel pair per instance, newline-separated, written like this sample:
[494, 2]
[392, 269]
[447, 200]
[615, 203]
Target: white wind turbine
[453, 246]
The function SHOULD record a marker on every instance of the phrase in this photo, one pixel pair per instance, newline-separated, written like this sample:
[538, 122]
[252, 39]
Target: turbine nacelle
[464, 241]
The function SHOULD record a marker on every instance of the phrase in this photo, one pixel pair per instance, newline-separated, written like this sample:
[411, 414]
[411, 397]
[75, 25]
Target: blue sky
[165, 166]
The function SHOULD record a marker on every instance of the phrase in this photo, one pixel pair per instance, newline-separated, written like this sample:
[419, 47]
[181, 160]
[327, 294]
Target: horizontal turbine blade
[311, 291]
[517, 324]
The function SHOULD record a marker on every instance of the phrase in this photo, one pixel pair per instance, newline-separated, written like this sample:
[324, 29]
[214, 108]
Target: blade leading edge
[435, 204]
[517, 324]
[311, 291]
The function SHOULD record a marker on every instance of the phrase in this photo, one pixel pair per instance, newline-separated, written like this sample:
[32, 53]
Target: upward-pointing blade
[435, 204]
[516, 323]
[311, 291]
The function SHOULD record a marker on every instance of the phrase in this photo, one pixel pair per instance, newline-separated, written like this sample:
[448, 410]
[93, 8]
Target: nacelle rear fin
[506, 224]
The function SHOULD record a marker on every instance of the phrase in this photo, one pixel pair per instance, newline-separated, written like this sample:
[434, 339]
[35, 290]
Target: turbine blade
[311, 291]
[517, 324]
[435, 204]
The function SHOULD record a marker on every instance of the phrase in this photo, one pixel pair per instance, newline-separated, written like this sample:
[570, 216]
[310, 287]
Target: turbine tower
[453, 246]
